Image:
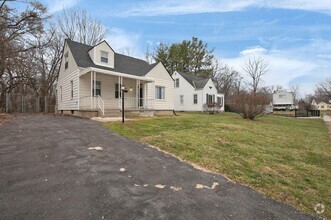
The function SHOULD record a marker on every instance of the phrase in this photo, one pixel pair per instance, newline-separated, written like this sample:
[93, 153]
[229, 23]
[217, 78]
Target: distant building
[283, 101]
[321, 105]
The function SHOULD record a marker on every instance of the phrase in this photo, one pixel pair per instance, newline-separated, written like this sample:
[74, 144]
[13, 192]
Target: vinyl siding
[187, 90]
[64, 81]
[67, 102]
[161, 78]
[107, 90]
[95, 55]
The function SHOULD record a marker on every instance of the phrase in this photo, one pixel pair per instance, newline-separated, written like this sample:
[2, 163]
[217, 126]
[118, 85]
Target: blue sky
[294, 36]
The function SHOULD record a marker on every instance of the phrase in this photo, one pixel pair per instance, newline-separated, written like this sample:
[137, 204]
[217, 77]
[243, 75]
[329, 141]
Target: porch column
[138, 93]
[91, 89]
[145, 96]
[94, 88]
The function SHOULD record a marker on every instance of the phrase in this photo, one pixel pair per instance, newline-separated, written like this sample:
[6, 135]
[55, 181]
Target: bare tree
[78, 26]
[248, 105]
[294, 89]
[256, 68]
[226, 78]
[18, 29]
[323, 90]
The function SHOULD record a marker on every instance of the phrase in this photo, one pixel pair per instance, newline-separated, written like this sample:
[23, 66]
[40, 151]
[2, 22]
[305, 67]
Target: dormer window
[104, 57]
[66, 60]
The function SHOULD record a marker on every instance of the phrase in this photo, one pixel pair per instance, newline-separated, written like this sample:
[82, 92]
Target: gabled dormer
[102, 54]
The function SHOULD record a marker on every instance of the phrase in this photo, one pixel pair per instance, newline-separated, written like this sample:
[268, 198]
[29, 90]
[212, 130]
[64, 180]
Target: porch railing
[101, 105]
[140, 103]
[98, 104]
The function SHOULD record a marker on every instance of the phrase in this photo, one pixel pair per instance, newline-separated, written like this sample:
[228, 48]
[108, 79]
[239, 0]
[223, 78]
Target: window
[66, 60]
[104, 57]
[176, 83]
[159, 92]
[72, 88]
[181, 99]
[195, 99]
[117, 91]
[97, 88]
[220, 100]
[210, 98]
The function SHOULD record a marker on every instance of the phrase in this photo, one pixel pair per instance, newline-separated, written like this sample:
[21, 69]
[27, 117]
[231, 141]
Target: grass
[286, 158]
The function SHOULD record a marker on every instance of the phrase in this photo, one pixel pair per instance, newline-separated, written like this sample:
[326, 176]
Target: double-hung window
[195, 98]
[72, 88]
[97, 88]
[159, 92]
[176, 83]
[181, 99]
[66, 60]
[104, 56]
[117, 91]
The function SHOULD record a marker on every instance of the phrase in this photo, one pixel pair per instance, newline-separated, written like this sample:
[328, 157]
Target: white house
[283, 101]
[321, 105]
[194, 93]
[91, 77]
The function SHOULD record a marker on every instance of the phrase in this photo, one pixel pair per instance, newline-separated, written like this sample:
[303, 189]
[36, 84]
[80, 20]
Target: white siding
[283, 98]
[187, 90]
[95, 55]
[161, 77]
[64, 82]
[108, 91]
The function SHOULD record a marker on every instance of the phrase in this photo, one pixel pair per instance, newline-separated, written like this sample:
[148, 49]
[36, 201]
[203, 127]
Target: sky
[293, 36]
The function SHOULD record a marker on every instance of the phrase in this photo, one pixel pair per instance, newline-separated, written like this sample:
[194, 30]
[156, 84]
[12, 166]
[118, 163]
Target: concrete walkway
[59, 167]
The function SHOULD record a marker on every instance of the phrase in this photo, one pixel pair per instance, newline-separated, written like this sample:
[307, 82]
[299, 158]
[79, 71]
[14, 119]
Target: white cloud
[257, 50]
[123, 42]
[285, 67]
[55, 6]
[174, 7]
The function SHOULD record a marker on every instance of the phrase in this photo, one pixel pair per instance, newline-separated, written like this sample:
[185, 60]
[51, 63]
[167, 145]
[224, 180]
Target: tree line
[31, 48]
[32, 43]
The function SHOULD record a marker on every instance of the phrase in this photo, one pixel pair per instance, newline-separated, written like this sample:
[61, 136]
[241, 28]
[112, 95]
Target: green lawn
[286, 158]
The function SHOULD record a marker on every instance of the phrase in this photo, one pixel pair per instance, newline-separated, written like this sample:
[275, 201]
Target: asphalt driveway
[48, 172]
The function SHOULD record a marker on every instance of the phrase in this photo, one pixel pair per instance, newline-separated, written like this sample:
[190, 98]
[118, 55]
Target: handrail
[101, 105]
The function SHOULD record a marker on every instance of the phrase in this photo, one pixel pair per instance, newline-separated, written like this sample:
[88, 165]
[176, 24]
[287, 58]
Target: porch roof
[113, 73]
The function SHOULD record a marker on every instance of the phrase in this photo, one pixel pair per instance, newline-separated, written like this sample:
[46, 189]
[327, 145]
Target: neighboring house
[321, 105]
[91, 78]
[283, 101]
[192, 93]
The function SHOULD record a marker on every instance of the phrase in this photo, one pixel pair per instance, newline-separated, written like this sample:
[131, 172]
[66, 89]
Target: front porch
[101, 91]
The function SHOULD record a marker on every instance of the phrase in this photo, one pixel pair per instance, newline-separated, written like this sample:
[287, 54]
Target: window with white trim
[97, 88]
[159, 92]
[176, 83]
[66, 60]
[195, 98]
[181, 99]
[117, 91]
[72, 88]
[104, 56]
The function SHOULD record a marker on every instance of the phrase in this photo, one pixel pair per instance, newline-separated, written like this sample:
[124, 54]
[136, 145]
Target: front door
[141, 96]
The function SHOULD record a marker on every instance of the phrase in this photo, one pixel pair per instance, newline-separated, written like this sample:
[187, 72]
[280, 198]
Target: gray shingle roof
[123, 64]
[195, 81]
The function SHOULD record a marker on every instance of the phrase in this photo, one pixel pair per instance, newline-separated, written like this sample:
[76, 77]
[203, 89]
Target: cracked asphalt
[48, 172]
